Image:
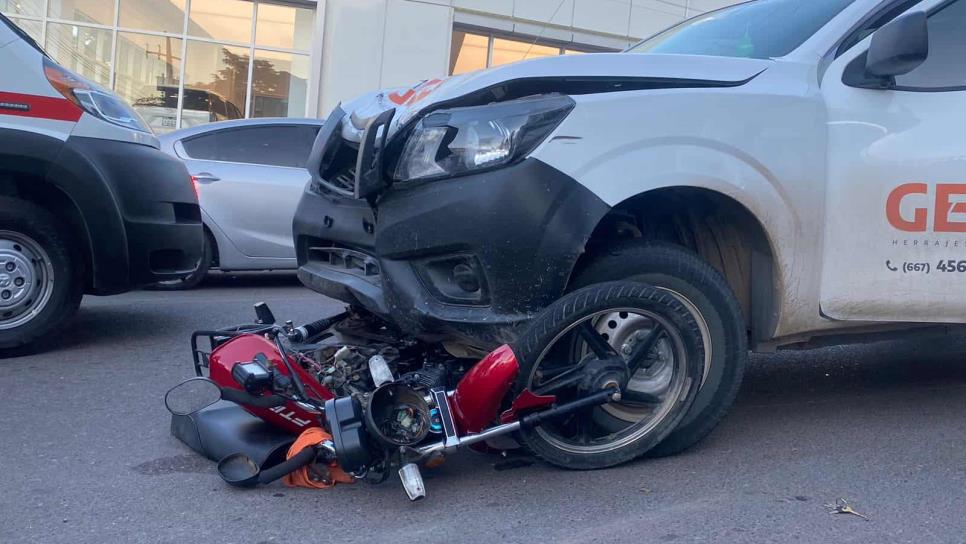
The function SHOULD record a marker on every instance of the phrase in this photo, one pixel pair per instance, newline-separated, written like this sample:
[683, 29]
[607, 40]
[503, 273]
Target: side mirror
[191, 396]
[899, 47]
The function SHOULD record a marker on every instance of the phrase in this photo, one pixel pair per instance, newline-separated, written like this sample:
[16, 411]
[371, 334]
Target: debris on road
[842, 506]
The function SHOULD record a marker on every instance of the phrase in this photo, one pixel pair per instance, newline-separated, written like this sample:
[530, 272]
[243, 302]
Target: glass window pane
[507, 51]
[284, 26]
[215, 81]
[229, 20]
[468, 52]
[157, 15]
[34, 29]
[84, 11]
[944, 67]
[22, 7]
[85, 51]
[280, 84]
[272, 145]
[146, 75]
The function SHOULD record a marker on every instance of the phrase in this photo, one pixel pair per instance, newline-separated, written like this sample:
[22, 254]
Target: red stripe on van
[40, 107]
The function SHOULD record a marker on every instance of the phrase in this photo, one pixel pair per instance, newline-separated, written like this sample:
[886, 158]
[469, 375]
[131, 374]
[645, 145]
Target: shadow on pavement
[216, 280]
[921, 362]
[94, 325]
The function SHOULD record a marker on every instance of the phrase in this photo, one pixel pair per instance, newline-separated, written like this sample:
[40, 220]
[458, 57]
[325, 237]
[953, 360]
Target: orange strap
[305, 476]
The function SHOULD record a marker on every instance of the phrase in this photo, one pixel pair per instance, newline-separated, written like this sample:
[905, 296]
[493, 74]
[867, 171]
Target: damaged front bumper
[466, 258]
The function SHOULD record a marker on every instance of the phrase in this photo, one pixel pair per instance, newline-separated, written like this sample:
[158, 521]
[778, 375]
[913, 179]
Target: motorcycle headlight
[92, 99]
[458, 141]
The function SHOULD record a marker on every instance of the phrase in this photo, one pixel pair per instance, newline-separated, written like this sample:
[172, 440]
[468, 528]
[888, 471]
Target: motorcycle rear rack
[199, 356]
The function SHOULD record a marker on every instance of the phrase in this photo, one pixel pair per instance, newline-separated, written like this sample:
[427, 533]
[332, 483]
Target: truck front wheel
[40, 278]
[704, 291]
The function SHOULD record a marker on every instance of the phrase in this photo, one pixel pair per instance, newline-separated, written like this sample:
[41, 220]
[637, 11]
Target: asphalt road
[86, 455]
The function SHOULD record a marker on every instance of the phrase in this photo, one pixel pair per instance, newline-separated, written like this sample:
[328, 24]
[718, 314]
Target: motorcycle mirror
[239, 470]
[191, 396]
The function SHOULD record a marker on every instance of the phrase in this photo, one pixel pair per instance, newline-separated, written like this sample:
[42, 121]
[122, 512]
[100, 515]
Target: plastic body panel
[478, 396]
[290, 417]
[523, 227]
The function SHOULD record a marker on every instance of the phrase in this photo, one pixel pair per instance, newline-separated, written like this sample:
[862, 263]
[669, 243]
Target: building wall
[373, 44]
[251, 58]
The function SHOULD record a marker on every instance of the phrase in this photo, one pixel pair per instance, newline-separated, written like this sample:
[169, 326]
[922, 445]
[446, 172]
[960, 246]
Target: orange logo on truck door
[948, 207]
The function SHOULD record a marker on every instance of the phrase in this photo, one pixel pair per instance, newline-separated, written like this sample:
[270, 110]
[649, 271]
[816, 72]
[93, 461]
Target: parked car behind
[249, 176]
[88, 203]
[200, 106]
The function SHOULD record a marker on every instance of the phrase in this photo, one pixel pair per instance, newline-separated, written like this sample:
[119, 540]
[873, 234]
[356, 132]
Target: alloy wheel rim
[26, 279]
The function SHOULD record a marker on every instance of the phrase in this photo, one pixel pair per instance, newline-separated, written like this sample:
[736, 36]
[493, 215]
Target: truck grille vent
[354, 262]
[338, 169]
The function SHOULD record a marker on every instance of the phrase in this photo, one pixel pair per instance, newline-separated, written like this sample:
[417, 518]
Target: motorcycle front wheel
[567, 352]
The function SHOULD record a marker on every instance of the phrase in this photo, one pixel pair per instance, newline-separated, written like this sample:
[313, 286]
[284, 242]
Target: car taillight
[195, 186]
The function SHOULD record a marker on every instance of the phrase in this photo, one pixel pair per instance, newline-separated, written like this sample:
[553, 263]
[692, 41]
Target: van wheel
[195, 278]
[40, 279]
[704, 291]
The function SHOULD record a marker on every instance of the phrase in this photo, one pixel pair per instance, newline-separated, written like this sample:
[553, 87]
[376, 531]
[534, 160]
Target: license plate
[168, 122]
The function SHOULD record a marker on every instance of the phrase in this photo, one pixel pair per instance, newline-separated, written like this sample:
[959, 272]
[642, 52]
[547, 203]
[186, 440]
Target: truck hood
[567, 74]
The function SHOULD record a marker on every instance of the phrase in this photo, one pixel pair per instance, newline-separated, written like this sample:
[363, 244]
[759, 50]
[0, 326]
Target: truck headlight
[458, 141]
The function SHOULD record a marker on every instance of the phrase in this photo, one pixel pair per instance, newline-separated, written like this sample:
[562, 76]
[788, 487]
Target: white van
[88, 202]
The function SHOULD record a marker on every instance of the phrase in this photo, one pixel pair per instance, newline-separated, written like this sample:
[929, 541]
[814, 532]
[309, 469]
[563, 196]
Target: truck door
[895, 239]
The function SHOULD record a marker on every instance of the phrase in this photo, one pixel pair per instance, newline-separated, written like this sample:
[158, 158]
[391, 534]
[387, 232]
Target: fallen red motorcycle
[568, 390]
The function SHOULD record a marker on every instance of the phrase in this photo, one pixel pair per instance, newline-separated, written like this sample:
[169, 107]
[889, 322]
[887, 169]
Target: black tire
[705, 290]
[551, 328]
[195, 278]
[63, 287]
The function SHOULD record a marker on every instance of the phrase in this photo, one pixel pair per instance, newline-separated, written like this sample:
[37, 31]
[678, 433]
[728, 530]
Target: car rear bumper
[469, 257]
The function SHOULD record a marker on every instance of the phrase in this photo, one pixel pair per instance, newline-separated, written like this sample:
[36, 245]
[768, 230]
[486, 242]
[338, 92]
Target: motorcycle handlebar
[303, 333]
[297, 461]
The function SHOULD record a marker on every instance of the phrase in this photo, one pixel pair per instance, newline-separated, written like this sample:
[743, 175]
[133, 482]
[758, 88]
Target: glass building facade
[475, 49]
[181, 63]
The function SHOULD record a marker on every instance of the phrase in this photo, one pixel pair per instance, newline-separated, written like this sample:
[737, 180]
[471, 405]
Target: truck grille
[346, 260]
[337, 170]
[344, 180]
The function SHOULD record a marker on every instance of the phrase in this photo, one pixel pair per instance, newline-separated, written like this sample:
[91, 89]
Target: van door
[250, 180]
[895, 239]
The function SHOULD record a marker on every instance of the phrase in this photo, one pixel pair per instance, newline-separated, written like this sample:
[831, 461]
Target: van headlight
[93, 99]
[457, 141]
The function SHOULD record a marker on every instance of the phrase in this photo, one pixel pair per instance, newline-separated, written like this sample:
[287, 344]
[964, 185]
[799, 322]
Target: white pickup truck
[793, 172]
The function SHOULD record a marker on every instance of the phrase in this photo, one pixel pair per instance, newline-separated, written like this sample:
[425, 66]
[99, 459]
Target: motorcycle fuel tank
[244, 349]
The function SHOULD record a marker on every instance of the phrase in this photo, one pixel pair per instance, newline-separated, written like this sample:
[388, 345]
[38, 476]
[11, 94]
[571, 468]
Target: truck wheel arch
[712, 224]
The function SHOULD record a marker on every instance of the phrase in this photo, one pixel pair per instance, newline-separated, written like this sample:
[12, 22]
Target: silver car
[249, 175]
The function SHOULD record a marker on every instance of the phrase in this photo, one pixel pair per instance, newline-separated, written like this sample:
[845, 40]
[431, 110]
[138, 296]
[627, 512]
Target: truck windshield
[761, 29]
